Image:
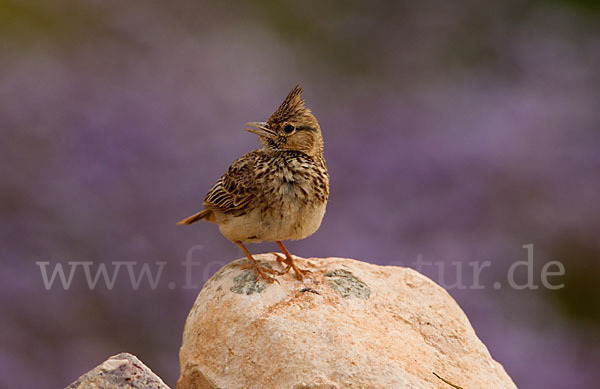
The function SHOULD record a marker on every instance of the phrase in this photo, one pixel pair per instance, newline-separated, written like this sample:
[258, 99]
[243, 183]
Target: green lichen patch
[348, 285]
[247, 284]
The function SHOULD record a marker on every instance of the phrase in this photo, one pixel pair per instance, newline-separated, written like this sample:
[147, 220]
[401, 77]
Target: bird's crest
[292, 106]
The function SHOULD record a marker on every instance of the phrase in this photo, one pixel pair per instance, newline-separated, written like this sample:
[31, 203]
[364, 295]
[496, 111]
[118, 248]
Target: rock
[120, 371]
[349, 325]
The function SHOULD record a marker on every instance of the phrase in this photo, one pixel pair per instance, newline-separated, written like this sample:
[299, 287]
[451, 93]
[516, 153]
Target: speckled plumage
[275, 193]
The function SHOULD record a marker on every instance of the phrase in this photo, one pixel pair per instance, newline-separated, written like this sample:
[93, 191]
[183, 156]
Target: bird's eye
[288, 129]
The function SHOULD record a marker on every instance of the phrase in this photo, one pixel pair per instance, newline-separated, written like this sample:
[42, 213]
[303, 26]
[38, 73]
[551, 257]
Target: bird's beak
[261, 129]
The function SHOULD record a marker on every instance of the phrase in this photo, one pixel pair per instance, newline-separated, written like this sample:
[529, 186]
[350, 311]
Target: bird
[275, 193]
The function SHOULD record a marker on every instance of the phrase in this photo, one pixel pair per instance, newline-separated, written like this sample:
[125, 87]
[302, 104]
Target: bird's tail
[205, 213]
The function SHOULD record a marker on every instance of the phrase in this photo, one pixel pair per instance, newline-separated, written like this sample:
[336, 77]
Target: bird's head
[291, 127]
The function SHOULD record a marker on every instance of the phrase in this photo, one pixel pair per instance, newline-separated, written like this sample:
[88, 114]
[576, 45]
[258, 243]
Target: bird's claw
[291, 265]
[261, 271]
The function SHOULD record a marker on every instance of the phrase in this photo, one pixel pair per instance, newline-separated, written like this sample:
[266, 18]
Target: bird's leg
[261, 270]
[289, 261]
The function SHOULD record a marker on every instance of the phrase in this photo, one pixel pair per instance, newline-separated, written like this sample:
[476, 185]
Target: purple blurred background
[459, 131]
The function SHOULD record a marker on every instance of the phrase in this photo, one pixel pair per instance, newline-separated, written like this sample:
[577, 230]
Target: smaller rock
[119, 371]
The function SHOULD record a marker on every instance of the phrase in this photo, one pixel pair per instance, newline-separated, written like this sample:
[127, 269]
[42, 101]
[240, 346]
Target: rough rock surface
[349, 325]
[121, 371]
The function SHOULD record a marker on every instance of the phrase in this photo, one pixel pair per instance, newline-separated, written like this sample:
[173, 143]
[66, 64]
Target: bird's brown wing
[235, 189]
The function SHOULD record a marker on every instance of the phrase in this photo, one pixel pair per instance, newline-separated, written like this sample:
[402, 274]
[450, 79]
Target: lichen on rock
[246, 283]
[347, 285]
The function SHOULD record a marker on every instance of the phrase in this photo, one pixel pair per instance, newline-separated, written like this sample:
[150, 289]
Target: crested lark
[275, 193]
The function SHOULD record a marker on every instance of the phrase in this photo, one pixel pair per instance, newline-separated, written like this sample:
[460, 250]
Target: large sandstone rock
[121, 371]
[349, 325]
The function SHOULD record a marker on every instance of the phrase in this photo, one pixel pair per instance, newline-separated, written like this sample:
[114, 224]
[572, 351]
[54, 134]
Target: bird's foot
[262, 272]
[258, 269]
[289, 261]
[279, 259]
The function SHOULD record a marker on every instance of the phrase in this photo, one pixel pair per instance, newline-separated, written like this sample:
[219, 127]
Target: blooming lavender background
[456, 130]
